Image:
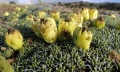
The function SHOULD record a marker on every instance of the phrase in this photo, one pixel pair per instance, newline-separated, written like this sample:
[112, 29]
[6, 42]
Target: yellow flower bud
[117, 26]
[48, 29]
[99, 23]
[82, 38]
[30, 17]
[78, 17]
[93, 13]
[17, 9]
[34, 28]
[14, 39]
[42, 14]
[5, 65]
[26, 6]
[6, 14]
[55, 15]
[85, 13]
[66, 27]
[14, 19]
[113, 15]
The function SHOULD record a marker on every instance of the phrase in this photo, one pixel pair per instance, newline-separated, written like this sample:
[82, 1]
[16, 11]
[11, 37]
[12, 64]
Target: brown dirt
[114, 56]
[7, 7]
[11, 7]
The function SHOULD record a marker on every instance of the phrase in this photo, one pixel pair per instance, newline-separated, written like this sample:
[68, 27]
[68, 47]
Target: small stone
[10, 60]
[3, 48]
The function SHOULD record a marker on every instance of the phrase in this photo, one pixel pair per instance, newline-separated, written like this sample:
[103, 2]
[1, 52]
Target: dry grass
[7, 7]
[115, 56]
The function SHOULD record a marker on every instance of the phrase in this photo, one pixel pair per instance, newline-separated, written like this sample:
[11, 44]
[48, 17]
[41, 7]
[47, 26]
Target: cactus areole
[43, 21]
[10, 30]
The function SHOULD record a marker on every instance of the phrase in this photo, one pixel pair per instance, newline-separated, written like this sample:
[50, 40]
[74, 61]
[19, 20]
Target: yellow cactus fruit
[48, 30]
[14, 39]
[5, 65]
[26, 6]
[117, 26]
[99, 23]
[6, 14]
[85, 12]
[82, 38]
[55, 14]
[113, 15]
[14, 19]
[42, 14]
[66, 27]
[93, 14]
[30, 17]
[23, 10]
[17, 9]
[34, 27]
[78, 17]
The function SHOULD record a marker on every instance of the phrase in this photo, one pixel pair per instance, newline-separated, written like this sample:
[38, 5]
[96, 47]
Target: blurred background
[22, 2]
[31, 2]
[104, 6]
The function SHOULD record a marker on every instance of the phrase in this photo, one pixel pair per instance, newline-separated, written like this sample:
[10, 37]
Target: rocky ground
[7, 7]
[11, 7]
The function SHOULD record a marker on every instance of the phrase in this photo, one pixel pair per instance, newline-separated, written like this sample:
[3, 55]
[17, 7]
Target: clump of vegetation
[105, 6]
[62, 55]
[12, 2]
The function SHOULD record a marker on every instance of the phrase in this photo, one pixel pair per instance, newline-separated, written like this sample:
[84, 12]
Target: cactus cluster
[61, 45]
[55, 28]
[5, 65]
